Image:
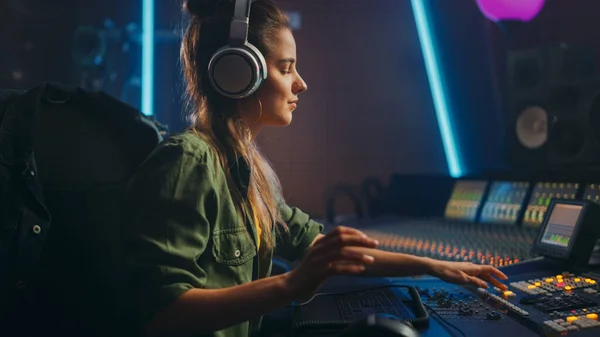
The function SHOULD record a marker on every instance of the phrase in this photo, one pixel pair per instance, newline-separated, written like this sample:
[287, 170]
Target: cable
[341, 293]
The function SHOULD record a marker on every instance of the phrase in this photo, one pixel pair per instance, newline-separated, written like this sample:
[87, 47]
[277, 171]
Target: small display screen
[464, 202]
[561, 224]
[504, 202]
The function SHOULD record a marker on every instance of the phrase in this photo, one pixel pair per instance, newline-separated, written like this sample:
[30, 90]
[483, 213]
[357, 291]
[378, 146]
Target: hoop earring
[259, 110]
[248, 127]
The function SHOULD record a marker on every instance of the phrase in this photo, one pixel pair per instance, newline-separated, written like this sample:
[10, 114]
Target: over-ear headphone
[237, 69]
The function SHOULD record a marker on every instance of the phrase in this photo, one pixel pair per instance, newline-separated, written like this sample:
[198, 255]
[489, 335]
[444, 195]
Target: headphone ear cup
[237, 72]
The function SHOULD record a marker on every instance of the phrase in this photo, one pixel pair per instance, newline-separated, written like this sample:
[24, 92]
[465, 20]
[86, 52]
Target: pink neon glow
[522, 10]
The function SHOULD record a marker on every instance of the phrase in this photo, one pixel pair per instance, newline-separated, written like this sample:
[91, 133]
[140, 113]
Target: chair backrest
[86, 146]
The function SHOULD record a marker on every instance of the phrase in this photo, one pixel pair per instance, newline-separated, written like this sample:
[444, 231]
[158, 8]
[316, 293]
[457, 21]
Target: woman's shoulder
[187, 144]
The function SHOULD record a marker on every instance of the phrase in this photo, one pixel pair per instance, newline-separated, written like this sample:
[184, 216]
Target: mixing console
[504, 202]
[464, 202]
[563, 302]
[541, 196]
[553, 288]
[455, 241]
[542, 300]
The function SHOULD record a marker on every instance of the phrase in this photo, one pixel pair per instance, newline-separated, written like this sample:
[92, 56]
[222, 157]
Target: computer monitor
[541, 196]
[570, 230]
[504, 203]
[465, 200]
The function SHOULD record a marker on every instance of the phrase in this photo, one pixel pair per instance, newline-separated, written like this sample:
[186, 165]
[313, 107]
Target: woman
[205, 214]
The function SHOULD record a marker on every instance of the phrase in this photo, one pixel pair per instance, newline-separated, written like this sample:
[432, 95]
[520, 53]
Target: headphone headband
[238, 69]
[238, 31]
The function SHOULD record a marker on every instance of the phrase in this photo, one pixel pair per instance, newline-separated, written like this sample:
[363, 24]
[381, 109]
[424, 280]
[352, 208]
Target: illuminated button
[560, 284]
[568, 288]
[592, 282]
[531, 286]
[588, 280]
[577, 279]
[549, 280]
[537, 284]
[509, 293]
[559, 276]
[571, 319]
[592, 316]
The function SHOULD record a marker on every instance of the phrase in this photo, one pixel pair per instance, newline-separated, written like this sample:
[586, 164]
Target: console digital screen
[561, 224]
[504, 202]
[540, 199]
[465, 200]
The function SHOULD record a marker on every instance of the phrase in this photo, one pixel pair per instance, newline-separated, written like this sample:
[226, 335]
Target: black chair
[86, 146]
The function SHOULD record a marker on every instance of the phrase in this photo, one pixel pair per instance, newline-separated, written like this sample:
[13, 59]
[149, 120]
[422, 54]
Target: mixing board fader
[540, 303]
[561, 303]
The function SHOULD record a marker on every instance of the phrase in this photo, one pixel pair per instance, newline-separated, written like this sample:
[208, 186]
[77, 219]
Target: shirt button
[237, 253]
[37, 229]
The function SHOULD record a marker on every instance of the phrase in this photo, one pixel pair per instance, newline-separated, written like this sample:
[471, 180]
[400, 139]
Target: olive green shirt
[182, 230]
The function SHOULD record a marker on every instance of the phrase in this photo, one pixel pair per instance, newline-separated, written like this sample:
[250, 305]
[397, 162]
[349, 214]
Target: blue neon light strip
[437, 87]
[148, 57]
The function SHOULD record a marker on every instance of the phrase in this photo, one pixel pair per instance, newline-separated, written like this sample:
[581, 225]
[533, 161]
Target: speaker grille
[567, 137]
[527, 74]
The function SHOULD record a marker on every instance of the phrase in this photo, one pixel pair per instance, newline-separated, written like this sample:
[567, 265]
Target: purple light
[499, 10]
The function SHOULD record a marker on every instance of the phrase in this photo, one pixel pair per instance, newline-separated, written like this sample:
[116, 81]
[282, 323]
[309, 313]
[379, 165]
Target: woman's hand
[329, 256]
[467, 273]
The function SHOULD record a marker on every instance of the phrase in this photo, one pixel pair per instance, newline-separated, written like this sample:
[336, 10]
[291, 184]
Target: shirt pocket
[233, 246]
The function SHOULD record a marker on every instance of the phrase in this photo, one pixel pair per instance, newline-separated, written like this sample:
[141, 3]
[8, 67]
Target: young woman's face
[279, 92]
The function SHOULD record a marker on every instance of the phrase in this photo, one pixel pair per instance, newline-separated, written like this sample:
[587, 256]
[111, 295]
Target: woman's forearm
[389, 264]
[203, 310]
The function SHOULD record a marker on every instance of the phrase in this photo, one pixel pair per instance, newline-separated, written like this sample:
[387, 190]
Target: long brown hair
[215, 118]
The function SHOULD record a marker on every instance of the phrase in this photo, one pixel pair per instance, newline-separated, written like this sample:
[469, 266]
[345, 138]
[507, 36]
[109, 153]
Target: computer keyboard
[354, 306]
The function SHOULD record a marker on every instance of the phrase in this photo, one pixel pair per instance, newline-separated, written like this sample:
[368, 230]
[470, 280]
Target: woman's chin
[284, 120]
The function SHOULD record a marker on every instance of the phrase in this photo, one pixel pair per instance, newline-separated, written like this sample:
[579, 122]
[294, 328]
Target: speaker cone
[532, 127]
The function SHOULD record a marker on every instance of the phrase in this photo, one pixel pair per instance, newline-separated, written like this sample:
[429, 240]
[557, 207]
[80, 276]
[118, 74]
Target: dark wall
[37, 42]
[368, 110]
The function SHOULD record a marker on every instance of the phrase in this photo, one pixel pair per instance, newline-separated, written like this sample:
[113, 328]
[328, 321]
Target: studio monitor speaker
[554, 108]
